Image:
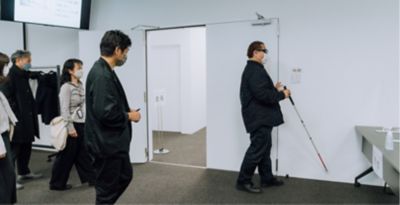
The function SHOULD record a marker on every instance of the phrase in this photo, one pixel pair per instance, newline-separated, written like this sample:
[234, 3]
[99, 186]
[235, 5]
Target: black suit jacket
[20, 97]
[107, 129]
[259, 98]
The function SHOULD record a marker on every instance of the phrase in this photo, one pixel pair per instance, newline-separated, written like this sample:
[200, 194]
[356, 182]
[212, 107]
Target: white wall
[132, 76]
[50, 46]
[197, 92]
[165, 82]
[226, 136]
[176, 69]
[10, 38]
[348, 51]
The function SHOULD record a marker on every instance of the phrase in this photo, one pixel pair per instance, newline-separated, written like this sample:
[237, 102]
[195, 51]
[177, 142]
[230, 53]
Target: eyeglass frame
[263, 50]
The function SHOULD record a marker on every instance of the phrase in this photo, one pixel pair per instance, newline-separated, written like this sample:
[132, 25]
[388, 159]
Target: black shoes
[248, 188]
[272, 182]
[66, 187]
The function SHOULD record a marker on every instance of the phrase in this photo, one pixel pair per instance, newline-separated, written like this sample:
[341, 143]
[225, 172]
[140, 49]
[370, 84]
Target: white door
[227, 46]
[133, 79]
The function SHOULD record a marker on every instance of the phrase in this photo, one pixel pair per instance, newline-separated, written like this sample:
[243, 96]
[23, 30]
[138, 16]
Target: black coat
[23, 104]
[107, 128]
[259, 98]
[47, 97]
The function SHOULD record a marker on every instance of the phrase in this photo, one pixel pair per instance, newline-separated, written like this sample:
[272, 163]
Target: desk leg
[356, 183]
[387, 190]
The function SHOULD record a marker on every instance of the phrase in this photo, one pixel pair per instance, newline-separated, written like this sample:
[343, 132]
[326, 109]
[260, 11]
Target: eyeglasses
[263, 50]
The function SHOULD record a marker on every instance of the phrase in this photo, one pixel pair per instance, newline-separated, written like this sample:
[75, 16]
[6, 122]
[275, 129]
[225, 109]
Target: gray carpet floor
[184, 149]
[163, 184]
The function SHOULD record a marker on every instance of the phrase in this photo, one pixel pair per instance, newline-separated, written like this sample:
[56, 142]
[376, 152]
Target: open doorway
[176, 73]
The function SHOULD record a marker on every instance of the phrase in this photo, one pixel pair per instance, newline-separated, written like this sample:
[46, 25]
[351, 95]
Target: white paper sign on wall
[296, 75]
[377, 161]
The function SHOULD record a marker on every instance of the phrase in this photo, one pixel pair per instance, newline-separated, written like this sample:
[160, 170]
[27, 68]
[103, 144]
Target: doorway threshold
[178, 165]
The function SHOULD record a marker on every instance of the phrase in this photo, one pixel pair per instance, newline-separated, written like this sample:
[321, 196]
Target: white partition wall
[227, 46]
[332, 98]
[132, 76]
[10, 38]
[349, 55]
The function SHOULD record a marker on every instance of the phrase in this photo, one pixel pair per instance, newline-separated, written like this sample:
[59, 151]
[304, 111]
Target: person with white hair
[23, 104]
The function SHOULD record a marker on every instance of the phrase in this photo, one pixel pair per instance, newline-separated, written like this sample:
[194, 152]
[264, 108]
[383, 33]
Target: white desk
[370, 138]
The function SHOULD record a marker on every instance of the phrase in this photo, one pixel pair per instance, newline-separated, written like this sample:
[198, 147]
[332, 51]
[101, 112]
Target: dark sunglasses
[263, 50]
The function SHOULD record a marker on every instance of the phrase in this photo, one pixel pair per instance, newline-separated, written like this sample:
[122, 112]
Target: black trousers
[21, 152]
[113, 175]
[74, 153]
[257, 155]
[8, 193]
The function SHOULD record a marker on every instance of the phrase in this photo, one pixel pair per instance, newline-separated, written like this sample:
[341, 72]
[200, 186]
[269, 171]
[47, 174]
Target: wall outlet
[160, 96]
[296, 75]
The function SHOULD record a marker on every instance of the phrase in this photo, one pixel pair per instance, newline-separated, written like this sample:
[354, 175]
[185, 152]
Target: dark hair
[256, 45]
[68, 66]
[19, 54]
[113, 39]
[4, 60]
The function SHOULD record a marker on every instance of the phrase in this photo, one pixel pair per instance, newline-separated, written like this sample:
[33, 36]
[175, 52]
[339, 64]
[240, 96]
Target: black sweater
[259, 98]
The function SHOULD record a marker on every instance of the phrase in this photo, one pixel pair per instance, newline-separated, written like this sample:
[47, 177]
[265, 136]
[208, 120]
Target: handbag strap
[76, 110]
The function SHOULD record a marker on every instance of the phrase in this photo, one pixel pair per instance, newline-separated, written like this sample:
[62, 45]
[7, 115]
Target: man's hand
[279, 86]
[287, 93]
[134, 116]
[73, 133]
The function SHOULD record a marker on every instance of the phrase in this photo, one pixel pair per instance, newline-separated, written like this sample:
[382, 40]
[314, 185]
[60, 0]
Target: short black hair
[19, 54]
[256, 45]
[113, 39]
[68, 65]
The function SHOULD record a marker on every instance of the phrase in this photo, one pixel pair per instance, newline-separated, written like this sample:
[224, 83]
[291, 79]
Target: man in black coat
[108, 127]
[23, 104]
[261, 112]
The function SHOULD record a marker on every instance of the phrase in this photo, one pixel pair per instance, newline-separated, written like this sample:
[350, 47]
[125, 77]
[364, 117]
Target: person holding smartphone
[108, 125]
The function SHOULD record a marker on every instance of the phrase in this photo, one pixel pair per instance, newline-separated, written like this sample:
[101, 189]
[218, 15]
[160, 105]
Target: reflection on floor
[184, 149]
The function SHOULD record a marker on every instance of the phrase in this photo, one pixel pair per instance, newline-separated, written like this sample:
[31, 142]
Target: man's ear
[17, 60]
[254, 53]
[117, 50]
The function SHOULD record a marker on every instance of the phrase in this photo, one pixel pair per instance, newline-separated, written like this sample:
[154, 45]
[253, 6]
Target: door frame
[262, 20]
[147, 31]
